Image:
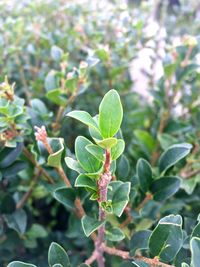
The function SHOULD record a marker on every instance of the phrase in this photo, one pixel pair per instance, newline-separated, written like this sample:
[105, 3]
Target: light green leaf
[73, 165]
[54, 159]
[114, 234]
[57, 255]
[96, 151]
[172, 155]
[20, 264]
[117, 149]
[56, 53]
[83, 117]
[110, 114]
[165, 187]
[84, 181]
[144, 174]
[107, 143]
[51, 81]
[90, 225]
[195, 249]
[87, 161]
[167, 238]
[119, 196]
[66, 196]
[57, 96]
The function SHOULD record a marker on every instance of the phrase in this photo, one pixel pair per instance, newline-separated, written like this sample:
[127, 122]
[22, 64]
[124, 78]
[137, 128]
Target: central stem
[103, 188]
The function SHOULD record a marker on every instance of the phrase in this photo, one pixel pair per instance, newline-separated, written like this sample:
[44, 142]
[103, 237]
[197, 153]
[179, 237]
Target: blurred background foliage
[64, 55]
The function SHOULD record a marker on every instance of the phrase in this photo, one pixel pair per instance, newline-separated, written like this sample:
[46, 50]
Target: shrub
[115, 189]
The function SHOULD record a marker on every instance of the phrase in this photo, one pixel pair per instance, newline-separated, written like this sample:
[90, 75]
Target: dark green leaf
[20, 264]
[172, 155]
[195, 249]
[66, 196]
[165, 187]
[144, 174]
[139, 240]
[57, 255]
[167, 238]
[17, 221]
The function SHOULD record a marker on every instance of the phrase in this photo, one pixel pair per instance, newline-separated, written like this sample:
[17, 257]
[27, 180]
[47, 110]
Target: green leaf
[73, 165]
[96, 151]
[146, 140]
[144, 174]
[57, 265]
[117, 149]
[167, 238]
[165, 187]
[195, 250]
[56, 53]
[138, 263]
[66, 196]
[196, 231]
[90, 225]
[37, 231]
[83, 265]
[84, 117]
[9, 155]
[110, 114]
[183, 264]
[57, 96]
[172, 155]
[17, 221]
[84, 181]
[107, 143]
[51, 81]
[54, 159]
[114, 234]
[87, 161]
[140, 240]
[119, 196]
[57, 255]
[123, 168]
[20, 264]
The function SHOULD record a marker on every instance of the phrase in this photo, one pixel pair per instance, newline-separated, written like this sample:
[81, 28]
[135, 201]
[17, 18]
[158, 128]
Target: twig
[41, 135]
[140, 206]
[145, 200]
[30, 157]
[25, 197]
[125, 255]
[92, 258]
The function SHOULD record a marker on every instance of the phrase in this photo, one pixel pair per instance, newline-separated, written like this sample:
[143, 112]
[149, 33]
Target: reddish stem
[103, 188]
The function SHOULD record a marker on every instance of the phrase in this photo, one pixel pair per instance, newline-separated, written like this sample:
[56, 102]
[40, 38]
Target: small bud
[40, 134]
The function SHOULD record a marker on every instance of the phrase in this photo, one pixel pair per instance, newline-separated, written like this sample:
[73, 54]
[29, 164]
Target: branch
[30, 157]
[125, 255]
[25, 197]
[102, 188]
[41, 135]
